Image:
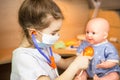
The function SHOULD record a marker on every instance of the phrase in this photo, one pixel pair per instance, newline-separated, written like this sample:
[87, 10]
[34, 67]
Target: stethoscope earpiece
[34, 32]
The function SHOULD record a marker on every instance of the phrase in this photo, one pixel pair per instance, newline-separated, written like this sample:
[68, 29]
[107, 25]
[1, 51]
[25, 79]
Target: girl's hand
[81, 62]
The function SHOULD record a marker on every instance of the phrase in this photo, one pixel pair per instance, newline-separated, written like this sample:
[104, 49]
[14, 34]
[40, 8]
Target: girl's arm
[80, 62]
[64, 63]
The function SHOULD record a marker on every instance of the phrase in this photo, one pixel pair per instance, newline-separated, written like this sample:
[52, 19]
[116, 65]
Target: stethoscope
[50, 59]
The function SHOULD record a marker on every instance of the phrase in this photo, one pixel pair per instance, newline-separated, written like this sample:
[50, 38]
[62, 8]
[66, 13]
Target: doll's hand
[106, 64]
[96, 77]
[83, 76]
[101, 65]
[77, 78]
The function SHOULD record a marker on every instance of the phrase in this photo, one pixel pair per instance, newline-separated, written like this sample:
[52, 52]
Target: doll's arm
[106, 64]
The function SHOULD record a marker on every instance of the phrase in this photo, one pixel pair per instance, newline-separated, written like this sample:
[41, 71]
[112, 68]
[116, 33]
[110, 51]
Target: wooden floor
[5, 70]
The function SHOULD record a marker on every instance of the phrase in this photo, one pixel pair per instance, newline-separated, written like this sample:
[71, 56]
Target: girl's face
[95, 34]
[53, 29]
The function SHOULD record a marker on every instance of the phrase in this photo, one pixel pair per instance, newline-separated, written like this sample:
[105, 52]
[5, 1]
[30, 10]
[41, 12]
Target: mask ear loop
[37, 47]
[51, 61]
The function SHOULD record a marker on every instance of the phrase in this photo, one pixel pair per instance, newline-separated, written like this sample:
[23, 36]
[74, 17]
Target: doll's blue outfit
[102, 52]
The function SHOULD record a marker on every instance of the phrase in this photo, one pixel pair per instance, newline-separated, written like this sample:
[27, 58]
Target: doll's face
[96, 31]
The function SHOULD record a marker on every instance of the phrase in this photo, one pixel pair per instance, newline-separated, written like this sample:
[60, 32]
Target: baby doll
[104, 64]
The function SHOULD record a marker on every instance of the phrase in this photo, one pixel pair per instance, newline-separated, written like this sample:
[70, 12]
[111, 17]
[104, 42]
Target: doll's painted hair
[34, 13]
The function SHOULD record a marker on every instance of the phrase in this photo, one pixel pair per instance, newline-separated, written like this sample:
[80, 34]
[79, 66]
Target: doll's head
[97, 30]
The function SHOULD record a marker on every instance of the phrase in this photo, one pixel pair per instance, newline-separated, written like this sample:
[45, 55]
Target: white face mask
[47, 40]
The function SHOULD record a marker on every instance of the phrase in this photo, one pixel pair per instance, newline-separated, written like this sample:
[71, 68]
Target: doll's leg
[110, 76]
[83, 76]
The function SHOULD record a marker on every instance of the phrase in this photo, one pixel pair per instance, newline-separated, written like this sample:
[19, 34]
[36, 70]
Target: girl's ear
[32, 31]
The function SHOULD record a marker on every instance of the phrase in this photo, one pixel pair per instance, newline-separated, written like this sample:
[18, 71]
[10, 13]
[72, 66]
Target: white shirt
[29, 64]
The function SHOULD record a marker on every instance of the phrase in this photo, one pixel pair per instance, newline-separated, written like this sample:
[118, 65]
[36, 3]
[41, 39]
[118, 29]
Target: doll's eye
[87, 32]
[93, 33]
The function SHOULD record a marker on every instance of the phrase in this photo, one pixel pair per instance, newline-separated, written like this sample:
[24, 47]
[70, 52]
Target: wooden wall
[76, 14]
[9, 28]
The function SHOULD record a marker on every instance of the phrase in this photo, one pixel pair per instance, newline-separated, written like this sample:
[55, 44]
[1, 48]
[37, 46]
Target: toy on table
[64, 44]
[59, 45]
[88, 51]
[81, 37]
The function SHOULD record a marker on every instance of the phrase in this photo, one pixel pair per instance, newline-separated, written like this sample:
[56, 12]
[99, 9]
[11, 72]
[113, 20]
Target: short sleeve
[111, 53]
[26, 67]
[57, 57]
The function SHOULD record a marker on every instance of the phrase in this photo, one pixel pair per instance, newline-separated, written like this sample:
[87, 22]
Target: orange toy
[88, 51]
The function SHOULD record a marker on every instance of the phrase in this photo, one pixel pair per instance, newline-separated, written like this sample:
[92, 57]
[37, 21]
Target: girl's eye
[53, 33]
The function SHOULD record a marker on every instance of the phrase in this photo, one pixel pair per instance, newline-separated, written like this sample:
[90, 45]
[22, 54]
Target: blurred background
[76, 12]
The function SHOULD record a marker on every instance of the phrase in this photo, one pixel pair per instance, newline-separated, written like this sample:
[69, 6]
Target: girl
[33, 59]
